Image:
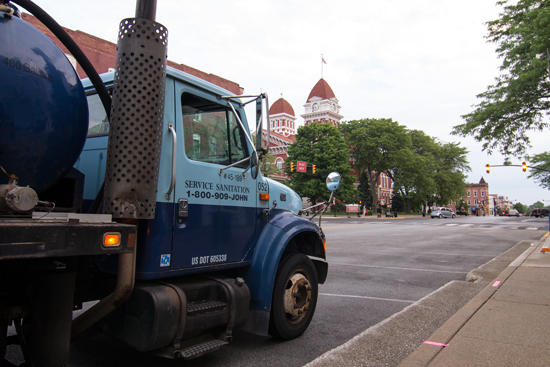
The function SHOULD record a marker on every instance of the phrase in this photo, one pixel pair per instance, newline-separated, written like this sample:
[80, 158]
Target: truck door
[214, 205]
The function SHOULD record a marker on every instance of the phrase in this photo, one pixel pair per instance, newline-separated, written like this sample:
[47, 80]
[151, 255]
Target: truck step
[203, 307]
[203, 348]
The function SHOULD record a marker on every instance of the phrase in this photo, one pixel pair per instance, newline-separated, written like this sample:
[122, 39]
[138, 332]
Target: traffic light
[524, 166]
[488, 168]
[313, 168]
[291, 166]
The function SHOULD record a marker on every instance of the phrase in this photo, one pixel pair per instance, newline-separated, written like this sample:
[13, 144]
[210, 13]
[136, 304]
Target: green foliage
[520, 207]
[541, 169]
[537, 205]
[267, 164]
[397, 202]
[518, 101]
[324, 146]
[462, 204]
[376, 145]
[414, 178]
[451, 165]
[365, 194]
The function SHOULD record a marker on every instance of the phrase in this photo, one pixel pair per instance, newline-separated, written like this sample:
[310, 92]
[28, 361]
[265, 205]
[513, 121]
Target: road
[377, 268]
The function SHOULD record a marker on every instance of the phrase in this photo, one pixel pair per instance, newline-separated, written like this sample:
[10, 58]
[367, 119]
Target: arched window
[279, 163]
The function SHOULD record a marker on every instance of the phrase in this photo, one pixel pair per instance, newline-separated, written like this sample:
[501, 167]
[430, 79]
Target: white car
[443, 212]
[513, 213]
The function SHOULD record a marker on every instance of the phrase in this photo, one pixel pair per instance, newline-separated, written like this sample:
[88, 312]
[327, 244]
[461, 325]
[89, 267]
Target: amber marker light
[111, 239]
[264, 197]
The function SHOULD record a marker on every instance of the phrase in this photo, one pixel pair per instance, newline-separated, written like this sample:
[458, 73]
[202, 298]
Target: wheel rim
[297, 298]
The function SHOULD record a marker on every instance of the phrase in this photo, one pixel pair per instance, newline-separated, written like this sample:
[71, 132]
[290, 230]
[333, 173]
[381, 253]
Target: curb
[425, 353]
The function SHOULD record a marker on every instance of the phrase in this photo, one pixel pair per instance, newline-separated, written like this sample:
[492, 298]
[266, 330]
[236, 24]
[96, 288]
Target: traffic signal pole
[523, 166]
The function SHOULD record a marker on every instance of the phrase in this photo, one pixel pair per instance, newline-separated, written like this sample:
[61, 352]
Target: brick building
[478, 199]
[102, 55]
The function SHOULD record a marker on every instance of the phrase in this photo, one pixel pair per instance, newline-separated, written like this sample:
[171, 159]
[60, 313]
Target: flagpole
[322, 66]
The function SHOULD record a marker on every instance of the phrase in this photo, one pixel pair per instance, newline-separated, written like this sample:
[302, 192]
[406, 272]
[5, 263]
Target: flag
[322, 58]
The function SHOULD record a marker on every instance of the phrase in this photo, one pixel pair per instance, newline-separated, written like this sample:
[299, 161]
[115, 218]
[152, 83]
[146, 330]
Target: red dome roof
[281, 106]
[321, 89]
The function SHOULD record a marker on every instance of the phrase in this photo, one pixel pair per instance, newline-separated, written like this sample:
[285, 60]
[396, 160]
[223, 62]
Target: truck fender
[285, 231]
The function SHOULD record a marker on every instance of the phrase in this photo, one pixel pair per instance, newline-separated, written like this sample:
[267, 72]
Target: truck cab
[226, 247]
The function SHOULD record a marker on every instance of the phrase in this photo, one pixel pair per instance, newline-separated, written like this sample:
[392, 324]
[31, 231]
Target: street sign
[301, 166]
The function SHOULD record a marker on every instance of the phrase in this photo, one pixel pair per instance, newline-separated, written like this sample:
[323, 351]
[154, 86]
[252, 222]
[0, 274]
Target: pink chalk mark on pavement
[437, 344]
[496, 284]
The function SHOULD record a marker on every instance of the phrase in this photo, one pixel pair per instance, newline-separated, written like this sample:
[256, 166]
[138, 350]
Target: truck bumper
[21, 239]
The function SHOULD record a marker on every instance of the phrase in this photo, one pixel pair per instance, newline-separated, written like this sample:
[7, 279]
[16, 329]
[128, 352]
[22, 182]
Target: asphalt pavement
[500, 317]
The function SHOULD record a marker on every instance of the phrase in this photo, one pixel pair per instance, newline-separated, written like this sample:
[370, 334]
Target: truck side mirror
[333, 181]
[262, 113]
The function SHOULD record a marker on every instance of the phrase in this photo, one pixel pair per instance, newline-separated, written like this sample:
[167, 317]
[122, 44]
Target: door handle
[174, 154]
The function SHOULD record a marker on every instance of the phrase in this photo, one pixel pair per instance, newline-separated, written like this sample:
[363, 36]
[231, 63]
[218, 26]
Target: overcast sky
[421, 62]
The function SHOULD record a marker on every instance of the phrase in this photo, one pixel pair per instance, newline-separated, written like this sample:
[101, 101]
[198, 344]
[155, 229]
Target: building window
[468, 194]
[475, 193]
[475, 202]
[482, 193]
[279, 163]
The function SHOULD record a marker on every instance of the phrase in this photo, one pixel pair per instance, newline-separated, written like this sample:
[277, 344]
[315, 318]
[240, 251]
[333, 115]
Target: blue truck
[141, 190]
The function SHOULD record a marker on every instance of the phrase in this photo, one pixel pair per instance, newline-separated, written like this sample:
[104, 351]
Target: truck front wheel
[294, 297]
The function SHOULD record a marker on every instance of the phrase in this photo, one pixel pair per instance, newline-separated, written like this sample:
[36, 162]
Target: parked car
[540, 213]
[503, 213]
[513, 213]
[443, 212]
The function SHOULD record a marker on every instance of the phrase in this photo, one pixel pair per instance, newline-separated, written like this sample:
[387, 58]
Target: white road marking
[451, 225]
[365, 297]
[532, 228]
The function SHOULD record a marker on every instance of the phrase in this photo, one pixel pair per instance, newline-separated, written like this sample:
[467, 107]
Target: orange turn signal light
[264, 197]
[111, 239]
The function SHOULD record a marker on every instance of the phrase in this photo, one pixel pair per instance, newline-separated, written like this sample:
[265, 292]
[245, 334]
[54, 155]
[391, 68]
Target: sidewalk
[501, 319]
[506, 324]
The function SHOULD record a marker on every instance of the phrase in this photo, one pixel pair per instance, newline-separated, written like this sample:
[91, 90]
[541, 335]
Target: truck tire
[294, 297]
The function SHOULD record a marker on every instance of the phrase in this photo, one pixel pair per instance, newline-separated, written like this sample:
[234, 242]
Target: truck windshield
[211, 132]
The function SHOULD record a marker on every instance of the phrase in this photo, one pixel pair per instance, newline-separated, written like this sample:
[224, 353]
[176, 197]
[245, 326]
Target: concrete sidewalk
[499, 316]
[506, 324]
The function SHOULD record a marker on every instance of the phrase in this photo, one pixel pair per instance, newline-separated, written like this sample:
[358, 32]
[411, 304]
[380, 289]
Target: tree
[321, 145]
[462, 204]
[537, 205]
[520, 207]
[541, 164]
[519, 99]
[397, 202]
[376, 146]
[451, 165]
[365, 194]
[414, 178]
[267, 164]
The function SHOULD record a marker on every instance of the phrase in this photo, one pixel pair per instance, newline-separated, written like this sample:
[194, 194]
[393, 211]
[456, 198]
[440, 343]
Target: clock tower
[322, 105]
